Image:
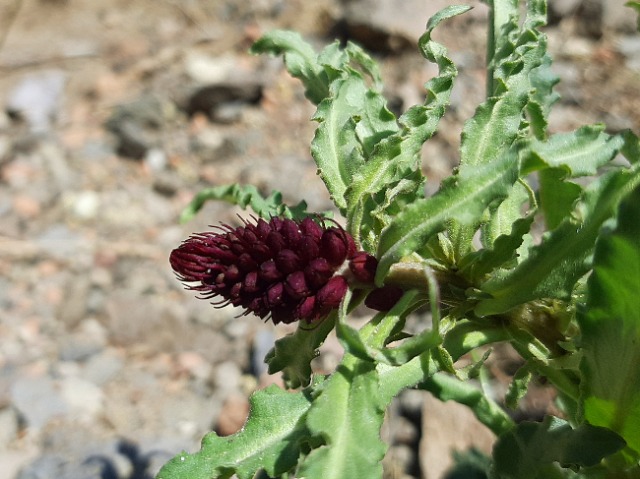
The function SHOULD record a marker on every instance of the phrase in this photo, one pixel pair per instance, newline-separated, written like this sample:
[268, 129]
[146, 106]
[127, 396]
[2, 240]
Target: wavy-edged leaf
[553, 267]
[610, 324]
[373, 191]
[580, 152]
[347, 416]
[271, 439]
[246, 196]
[531, 450]
[350, 120]
[543, 79]
[293, 354]
[463, 198]
[503, 253]
[557, 196]
[300, 60]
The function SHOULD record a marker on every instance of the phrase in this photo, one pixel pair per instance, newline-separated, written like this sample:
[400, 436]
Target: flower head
[281, 268]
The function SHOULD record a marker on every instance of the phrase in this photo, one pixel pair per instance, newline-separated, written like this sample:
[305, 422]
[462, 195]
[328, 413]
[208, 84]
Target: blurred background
[113, 114]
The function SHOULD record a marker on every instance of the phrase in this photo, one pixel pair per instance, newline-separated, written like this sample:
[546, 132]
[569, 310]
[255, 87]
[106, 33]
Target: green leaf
[300, 60]
[505, 214]
[543, 79]
[636, 6]
[293, 354]
[351, 120]
[518, 387]
[580, 152]
[556, 196]
[385, 323]
[631, 147]
[476, 265]
[610, 324]
[448, 388]
[531, 449]
[391, 176]
[499, 122]
[271, 440]
[553, 267]
[347, 416]
[245, 196]
[463, 198]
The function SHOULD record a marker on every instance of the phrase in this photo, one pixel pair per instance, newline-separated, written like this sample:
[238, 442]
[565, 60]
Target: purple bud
[311, 228]
[331, 294]
[274, 295]
[269, 271]
[383, 299]
[275, 241]
[306, 308]
[363, 266]
[318, 272]
[296, 285]
[290, 231]
[336, 246]
[263, 229]
[287, 261]
[250, 284]
[246, 263]
[308, 247]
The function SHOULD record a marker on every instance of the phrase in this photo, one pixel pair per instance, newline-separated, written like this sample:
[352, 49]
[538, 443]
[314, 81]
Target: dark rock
[384, 26]
[137, 126]
[221, 102]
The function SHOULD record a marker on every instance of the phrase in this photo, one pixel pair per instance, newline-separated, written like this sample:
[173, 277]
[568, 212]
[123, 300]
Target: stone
[38, 400]
[137, 126]
[233, 415]
[215, 100]
[83, 398]
[384, 26]
[448, 427]
[102, 367]
[8, 426]
[37, 99]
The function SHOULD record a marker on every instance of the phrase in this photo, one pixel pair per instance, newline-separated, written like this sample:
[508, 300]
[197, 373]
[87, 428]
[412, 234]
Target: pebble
[83, 205]
[9, 425]
[84, 399]
[38, 400]
[102, 367]
[37, 98]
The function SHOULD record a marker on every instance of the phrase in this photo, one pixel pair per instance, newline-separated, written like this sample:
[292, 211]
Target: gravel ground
[113, 115]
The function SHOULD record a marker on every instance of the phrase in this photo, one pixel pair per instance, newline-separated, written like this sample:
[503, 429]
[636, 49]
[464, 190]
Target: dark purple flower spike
[282, 269]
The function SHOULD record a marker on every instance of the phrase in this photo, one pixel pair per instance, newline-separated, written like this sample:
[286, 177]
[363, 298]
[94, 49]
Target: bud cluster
[281, 269]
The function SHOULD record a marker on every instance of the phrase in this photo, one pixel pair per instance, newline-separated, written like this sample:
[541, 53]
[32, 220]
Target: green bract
[566, 299]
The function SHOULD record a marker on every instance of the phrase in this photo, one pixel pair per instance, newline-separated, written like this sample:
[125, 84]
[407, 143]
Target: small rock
[89, 340]
[83, 205]
[38, 400]
[206, 69]
[37, 99]
[156, 160]
[137, 126]
[102, 367]
[233, 415]
[213, 99]
[227, 378]
[83, 398]
[384, 26]
[8, 426]
[448, 427]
